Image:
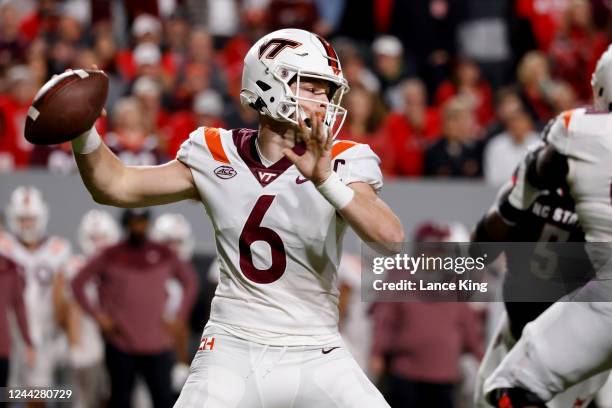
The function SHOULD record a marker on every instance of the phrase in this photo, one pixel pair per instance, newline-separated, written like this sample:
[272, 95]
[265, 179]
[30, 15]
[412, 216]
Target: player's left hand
[315, 163]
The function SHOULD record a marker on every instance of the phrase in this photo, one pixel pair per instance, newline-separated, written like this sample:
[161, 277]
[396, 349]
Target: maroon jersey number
[252, 232]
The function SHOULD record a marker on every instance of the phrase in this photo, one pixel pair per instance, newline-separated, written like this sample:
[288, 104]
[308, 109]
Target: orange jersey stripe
[567, 117]
[341, 146]
[213, 141]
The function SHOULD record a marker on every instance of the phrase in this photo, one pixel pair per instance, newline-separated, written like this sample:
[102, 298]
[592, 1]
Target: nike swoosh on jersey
[329, 350]
[299, 180]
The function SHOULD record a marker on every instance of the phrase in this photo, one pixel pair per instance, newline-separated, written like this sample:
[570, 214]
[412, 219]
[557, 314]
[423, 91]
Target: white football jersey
[278, 239]
[585, 137]
[39, 267]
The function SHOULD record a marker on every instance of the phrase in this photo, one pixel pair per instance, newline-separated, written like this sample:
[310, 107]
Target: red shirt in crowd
[131, 282]
[424, 340]
[380, 143]
[14, 148]
[12, 287]
[575, 57]
[37, 24]
[544, 17]
[178, 128]
[410, 143]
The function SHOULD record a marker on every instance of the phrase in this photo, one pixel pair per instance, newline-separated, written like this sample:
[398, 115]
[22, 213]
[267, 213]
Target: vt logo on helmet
[276, 45]
[286, 56]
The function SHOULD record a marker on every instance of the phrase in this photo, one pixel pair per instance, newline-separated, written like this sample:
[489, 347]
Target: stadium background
[449, 93]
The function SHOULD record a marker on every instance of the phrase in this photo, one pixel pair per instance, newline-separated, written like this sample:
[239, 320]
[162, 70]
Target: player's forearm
[102, 173]
[110, 182]
[374, 222]
[549, 169]
[490, 228]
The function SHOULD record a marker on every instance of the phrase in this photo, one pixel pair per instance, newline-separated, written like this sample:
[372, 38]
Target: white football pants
[234, 373]
[568, 347]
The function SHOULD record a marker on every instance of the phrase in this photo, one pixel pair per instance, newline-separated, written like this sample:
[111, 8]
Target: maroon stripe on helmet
[332, 57]
[26, 197]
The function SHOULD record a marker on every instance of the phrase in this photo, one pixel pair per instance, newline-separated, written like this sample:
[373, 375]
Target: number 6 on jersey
[253, 232]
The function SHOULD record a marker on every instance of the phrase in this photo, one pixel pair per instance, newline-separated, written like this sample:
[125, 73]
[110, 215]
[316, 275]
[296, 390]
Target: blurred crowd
[442, 88]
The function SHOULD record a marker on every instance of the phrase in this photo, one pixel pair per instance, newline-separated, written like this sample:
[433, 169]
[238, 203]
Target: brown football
[66, 106]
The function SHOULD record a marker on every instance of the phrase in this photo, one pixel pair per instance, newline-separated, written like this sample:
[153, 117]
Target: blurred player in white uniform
[97, 230]
[42, 257]
[174, 230]
[355, 321]
[280, 199]
[569, 342]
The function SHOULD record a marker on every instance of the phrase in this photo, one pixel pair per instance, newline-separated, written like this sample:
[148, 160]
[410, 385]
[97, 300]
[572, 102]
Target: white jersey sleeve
[199, 150]
[557, 135]
[194, 148]
[579, 134]
[355, 162]
[583, 135]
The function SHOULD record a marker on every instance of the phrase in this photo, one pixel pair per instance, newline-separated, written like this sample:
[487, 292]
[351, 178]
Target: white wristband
[87, 142]
[336, 192]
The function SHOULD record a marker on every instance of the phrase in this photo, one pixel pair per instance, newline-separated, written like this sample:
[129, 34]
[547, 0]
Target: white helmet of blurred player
[286, 55]
[98, 229]
[27, 214]
[601, 82]
[458, 233]
[174, 230]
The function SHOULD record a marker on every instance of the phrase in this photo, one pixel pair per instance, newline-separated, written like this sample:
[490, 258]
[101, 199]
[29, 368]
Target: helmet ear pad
[249, 98]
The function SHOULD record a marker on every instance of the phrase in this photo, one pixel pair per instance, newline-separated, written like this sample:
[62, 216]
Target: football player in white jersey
[97, 230]
[570, 341]
[42, 257]
[174, 230]
[280, 199]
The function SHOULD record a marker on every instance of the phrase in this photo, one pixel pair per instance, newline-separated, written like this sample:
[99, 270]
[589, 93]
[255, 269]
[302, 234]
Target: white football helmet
[174, 230]
[27, 214]
[98, 229]
[601, 82]
[282, 56]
